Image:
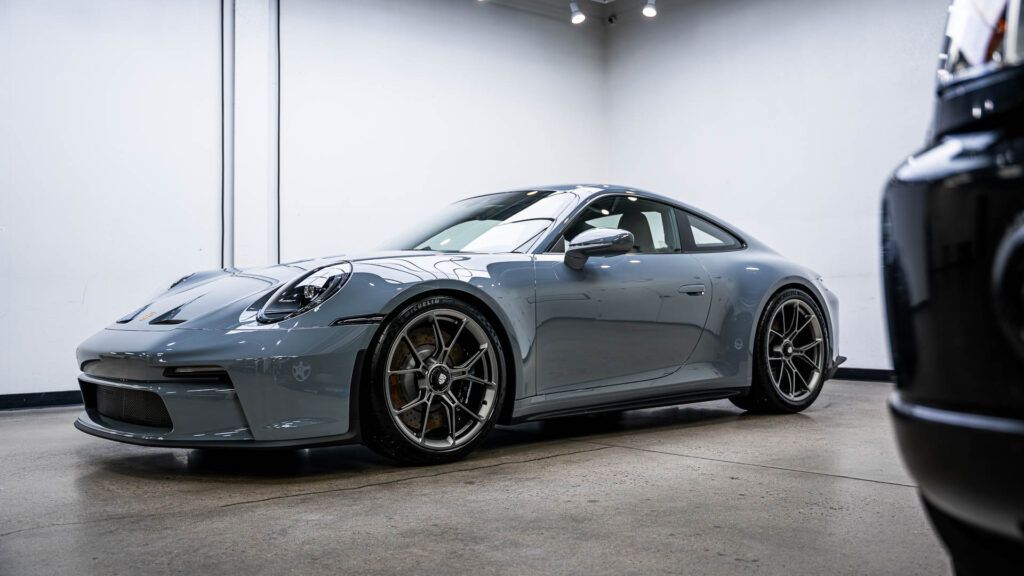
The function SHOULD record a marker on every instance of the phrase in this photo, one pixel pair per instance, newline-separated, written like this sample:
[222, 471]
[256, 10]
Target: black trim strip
[980, 422]
[371, 319]
[223, 214]
[277, 185]
[867, 374]
[40, 399]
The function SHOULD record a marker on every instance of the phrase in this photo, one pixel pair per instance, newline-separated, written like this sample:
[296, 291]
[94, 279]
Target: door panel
[620, 319]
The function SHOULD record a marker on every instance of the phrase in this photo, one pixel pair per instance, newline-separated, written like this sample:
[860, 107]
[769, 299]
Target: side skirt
[650, 402]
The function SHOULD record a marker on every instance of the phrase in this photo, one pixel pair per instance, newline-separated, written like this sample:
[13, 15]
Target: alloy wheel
[796, 350]
[441, 379]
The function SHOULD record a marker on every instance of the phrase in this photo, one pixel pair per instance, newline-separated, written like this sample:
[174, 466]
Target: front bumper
[274, 387]
[969, 465]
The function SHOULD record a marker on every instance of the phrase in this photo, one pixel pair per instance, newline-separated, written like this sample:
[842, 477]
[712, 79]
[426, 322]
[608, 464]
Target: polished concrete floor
[699, 489]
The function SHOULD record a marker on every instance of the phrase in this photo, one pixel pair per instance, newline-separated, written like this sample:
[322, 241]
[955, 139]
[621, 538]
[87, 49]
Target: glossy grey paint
[620, 319]
[626, 328]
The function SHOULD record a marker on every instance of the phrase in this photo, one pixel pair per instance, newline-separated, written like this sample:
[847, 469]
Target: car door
[620, 319]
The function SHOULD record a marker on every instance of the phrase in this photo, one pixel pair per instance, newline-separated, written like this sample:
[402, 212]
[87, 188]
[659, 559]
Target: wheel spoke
[454, 402]
[455, 338]
[475, 379]
[439, 346]
[405, 372]
[426, 418]
[449, 411]
[411, 405]
[802, 379]
[468, 364]
[801, 328]
[412, 349]
[803, 349]
[804, 357]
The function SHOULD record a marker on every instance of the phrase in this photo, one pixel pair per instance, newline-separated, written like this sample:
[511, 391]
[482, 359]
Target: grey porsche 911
[505, 308]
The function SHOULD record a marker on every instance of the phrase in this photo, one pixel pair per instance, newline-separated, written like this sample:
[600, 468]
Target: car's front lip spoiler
[349, 438]
[834, 367]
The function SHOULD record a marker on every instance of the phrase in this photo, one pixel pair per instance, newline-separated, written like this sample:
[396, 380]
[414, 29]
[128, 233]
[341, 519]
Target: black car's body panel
[953, 217]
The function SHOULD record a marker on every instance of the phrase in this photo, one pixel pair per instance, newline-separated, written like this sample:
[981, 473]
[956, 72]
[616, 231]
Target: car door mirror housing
[597, 242]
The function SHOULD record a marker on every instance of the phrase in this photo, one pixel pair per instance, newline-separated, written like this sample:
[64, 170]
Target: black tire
[975, 551]
[763, 397]
[380, 431]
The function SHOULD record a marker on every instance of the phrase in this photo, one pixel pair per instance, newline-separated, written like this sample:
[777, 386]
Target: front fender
[828, 302]
[502, 285]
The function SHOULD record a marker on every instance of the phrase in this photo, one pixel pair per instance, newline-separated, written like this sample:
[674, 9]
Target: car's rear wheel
[438, 382]
[791, 354]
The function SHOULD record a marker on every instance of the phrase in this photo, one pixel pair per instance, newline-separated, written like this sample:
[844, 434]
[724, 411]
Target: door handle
[692, 289]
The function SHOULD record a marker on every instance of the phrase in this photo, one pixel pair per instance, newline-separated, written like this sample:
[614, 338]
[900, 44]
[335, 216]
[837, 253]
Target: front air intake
[132, 406]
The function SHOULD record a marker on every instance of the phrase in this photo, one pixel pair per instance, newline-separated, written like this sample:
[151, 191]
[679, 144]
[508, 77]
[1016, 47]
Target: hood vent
[168, 318]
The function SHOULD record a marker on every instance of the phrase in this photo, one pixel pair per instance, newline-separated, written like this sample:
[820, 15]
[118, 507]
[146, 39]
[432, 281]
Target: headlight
[305, 293]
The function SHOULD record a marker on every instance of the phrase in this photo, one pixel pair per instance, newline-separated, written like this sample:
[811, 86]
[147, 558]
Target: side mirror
[596, 242]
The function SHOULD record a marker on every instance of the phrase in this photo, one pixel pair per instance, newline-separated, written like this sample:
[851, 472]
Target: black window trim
[583, 206]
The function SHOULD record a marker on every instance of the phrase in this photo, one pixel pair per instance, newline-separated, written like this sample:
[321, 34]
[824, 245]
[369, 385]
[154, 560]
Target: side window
[652, 224]
[706, 236]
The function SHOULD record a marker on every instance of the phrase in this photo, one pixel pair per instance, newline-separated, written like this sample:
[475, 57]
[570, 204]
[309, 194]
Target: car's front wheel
[438, 381]
[791, 354]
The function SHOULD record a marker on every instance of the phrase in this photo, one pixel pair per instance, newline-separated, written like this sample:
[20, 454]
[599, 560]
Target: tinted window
[708, 236]
[653, 225]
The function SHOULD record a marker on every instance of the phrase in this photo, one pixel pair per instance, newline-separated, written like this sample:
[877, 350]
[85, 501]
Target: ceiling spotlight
[650, 10]
[577, 16]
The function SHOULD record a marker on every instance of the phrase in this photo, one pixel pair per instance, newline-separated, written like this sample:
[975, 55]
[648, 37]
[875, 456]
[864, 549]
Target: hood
[218, 299]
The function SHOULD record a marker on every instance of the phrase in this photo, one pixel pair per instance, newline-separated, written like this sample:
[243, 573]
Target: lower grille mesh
[132, 406]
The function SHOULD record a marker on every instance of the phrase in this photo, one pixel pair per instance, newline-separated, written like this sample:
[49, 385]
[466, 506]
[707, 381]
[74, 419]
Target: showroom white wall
[393, 108]
[109, 169]
[784, 118]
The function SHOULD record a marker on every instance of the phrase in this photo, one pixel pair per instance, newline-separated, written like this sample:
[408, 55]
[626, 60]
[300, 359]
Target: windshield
[505, 222]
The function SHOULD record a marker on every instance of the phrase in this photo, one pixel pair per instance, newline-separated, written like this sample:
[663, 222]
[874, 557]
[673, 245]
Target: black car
[953, 257]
